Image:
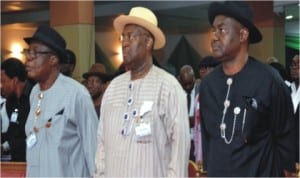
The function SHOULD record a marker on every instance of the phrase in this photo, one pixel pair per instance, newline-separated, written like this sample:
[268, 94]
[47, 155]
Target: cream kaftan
[166, 151]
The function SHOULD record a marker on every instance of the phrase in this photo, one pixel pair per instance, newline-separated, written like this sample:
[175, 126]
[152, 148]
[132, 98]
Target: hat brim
[218, 8]
[159, 37]
[104, 77]
[61, 54]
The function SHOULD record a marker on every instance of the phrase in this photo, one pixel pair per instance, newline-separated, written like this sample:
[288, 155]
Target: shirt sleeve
[178, 132]
[100, 152]
[282, 125]
[87, 125]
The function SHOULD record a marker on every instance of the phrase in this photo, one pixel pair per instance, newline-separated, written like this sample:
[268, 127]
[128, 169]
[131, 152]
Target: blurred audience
[67, 66]
[16, 90]
[187, 80]
[96, 82]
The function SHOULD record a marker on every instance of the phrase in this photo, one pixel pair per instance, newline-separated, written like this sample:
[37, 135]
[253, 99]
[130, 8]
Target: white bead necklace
[236, 112]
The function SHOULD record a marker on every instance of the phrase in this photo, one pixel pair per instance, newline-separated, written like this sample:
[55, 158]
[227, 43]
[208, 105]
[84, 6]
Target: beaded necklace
[236, 112]
[38, 110]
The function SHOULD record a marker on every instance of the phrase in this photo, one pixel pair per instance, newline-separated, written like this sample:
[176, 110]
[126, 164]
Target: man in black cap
[246, 111]
[206, 65]
[62, 124]
[68, 66]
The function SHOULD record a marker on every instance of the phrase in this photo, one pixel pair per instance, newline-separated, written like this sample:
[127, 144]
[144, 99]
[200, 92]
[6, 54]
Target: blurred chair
[193, 170]
[13, 169]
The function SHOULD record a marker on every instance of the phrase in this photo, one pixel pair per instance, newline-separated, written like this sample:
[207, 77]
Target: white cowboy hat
[143, 17]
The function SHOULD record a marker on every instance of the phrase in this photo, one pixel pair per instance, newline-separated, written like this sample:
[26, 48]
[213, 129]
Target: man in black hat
[62, 124]
[246, 111]
[206, 65]
[68, 66]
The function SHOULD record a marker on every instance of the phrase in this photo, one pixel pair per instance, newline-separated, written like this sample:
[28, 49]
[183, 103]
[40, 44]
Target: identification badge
[143, 129]
[14, 116]
[146, 107]
[31, 140]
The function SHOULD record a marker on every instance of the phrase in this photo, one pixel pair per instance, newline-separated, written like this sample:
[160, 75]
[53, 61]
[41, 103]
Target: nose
[125, 43]
[215, 36]
[29, 58]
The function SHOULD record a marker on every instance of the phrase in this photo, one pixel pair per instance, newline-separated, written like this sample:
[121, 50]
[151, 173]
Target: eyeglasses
[131, 37]
[34, 54]
[294, 65]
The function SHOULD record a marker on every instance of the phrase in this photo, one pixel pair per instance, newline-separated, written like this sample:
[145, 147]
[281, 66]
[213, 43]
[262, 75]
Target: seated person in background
[96, 82]
[16, 90]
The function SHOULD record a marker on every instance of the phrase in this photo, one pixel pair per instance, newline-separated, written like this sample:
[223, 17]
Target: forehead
[94, 77]
[296, 58]
[3, 74]
[133, 28]
[224, 20]
[38, 44]
[187, 77]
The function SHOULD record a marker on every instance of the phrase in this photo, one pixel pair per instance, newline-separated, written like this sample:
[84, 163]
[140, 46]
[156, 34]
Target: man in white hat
[144, 129]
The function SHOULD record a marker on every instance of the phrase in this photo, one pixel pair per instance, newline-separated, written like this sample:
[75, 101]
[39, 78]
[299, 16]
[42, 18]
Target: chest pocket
[55, 127]
[255, 120]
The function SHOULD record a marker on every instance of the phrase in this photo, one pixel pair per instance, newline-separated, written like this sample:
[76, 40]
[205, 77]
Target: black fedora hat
[240, 11]
[52, 39]
[98, 70]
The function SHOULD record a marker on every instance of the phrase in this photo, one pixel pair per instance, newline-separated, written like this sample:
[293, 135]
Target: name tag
[31, 140]
[143, 129]
[14, 116]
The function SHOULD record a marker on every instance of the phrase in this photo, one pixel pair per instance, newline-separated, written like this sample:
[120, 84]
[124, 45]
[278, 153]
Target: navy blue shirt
[262, 140]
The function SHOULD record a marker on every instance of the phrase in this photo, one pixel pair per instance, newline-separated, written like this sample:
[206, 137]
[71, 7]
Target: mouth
[28, 69]
[214, 47]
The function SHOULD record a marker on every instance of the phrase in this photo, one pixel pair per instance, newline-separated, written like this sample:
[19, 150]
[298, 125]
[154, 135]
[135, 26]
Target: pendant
[48, 125]
[35, 129]
[41, 95]
[237, 110]
[229, 81]
[38, 111]
[222, 126]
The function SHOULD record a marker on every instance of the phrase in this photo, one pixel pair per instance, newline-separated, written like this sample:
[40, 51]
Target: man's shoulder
[70, 85]
[163, 76]
[261, 69]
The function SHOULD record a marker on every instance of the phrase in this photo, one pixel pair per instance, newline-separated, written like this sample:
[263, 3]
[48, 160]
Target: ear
[244, 34]
[149, 43]
[15, 80]
[54, 60]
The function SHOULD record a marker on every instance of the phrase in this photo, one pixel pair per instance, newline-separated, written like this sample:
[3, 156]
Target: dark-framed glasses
[294, 65]
[131, 37]
[35, 54]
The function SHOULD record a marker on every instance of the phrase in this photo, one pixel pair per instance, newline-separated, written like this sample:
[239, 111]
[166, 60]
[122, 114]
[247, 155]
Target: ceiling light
[288, 17]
